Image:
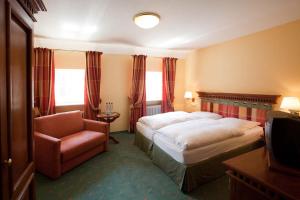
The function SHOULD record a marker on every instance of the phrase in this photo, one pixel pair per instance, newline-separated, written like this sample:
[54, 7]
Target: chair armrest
[47, 154]
[97, 126]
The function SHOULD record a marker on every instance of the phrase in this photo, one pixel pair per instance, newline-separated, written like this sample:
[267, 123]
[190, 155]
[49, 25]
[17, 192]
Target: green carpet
[124, 172]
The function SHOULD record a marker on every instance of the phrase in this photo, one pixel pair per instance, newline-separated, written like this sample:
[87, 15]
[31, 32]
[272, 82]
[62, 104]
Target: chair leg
[114, 139]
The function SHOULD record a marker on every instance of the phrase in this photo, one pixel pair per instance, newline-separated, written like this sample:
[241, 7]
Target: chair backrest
[60, 125]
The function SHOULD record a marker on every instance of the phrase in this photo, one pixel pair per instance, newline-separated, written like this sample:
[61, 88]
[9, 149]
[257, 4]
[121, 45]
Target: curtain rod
[102, 52]
[68, 50]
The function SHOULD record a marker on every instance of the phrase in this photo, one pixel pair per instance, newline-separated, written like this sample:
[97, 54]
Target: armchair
[64, 140]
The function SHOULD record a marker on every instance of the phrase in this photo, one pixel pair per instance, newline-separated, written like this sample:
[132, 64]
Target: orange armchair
[64, 140]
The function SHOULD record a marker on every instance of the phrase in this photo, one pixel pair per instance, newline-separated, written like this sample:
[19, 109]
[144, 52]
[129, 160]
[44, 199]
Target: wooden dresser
[251, 179]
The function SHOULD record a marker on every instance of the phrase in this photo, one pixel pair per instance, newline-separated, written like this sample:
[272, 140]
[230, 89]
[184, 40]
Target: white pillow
[160, 120]
[200, 115]
[241, 124]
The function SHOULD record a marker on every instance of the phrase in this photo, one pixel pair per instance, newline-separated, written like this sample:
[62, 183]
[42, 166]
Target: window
[153, 86]
[69, 86]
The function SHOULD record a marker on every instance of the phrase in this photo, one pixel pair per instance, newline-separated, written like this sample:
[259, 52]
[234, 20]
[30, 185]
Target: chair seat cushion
[80, 142]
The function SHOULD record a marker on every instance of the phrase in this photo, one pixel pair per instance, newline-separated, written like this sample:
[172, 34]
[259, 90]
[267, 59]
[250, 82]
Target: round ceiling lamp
[146, 20]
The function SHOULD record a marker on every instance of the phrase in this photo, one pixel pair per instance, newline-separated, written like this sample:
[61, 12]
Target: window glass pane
[153, 86]
[69, 86]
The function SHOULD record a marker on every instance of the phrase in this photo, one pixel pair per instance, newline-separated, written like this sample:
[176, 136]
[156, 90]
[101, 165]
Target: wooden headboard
[252, 107]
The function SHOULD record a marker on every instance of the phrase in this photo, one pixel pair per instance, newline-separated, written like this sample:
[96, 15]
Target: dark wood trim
[23, 183]
[32, 7]
[15, 14]
[251, 178]
[16, 26]
[260, 98]
[3, 103]
[39, 6]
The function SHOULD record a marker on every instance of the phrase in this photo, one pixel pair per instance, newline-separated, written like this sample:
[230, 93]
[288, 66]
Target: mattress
[145, 130]
[205, 152]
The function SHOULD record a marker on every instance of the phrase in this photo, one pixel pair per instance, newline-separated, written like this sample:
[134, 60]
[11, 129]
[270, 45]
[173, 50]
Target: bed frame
[253, 107]
[188, 177]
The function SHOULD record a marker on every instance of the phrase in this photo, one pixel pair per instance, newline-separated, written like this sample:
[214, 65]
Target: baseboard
[116, 132]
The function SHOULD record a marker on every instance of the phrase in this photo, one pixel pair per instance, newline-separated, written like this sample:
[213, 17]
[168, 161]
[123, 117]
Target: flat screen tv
[283, 140]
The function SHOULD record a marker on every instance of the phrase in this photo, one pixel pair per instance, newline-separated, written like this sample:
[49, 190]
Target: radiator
[153, 109]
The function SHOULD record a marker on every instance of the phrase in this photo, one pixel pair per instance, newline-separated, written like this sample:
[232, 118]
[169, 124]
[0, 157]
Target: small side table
[109, 118]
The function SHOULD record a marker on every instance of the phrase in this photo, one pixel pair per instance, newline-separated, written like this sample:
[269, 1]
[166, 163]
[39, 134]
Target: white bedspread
[198, 133]
[158, 121]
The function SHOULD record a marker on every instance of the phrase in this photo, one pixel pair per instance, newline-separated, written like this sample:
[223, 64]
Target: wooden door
[3, 107]
[17, 161]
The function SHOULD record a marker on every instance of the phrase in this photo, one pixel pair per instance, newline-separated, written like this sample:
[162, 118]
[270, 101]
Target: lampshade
[146, 20]
[188, 95]
[290, 103]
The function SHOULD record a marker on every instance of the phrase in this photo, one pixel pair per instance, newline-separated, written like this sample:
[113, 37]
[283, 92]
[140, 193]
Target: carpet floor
[124, 172]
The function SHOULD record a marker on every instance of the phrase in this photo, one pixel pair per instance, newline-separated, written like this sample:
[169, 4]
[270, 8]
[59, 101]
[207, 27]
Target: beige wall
[114, 87]
[115, 81]
[179, 101]
[266, 62]
[154, 64]
[69, 59]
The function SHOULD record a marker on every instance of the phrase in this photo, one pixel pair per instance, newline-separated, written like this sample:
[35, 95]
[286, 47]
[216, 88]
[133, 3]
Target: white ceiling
[185, 24]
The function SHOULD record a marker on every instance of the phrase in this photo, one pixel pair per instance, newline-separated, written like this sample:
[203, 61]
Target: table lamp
[292, 104]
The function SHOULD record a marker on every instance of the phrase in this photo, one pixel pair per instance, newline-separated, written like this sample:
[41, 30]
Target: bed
[148, 125]
[189, 168]
[203, 139]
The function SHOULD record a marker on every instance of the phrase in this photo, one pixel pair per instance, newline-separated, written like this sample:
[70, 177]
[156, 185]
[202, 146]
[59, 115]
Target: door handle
[8, 162]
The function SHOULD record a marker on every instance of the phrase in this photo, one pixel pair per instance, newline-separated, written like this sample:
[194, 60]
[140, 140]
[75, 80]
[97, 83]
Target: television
[283, 139]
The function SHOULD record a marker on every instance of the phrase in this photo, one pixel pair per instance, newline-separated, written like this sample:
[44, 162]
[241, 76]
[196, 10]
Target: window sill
[61, 106]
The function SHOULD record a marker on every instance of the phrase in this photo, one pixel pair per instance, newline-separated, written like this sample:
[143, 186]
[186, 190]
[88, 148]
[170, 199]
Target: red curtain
[92, 84]
[168, 83]
[44, 76]
[138, 91]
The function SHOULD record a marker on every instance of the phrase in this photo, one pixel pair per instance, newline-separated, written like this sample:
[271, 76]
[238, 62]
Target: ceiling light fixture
[146, 20]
